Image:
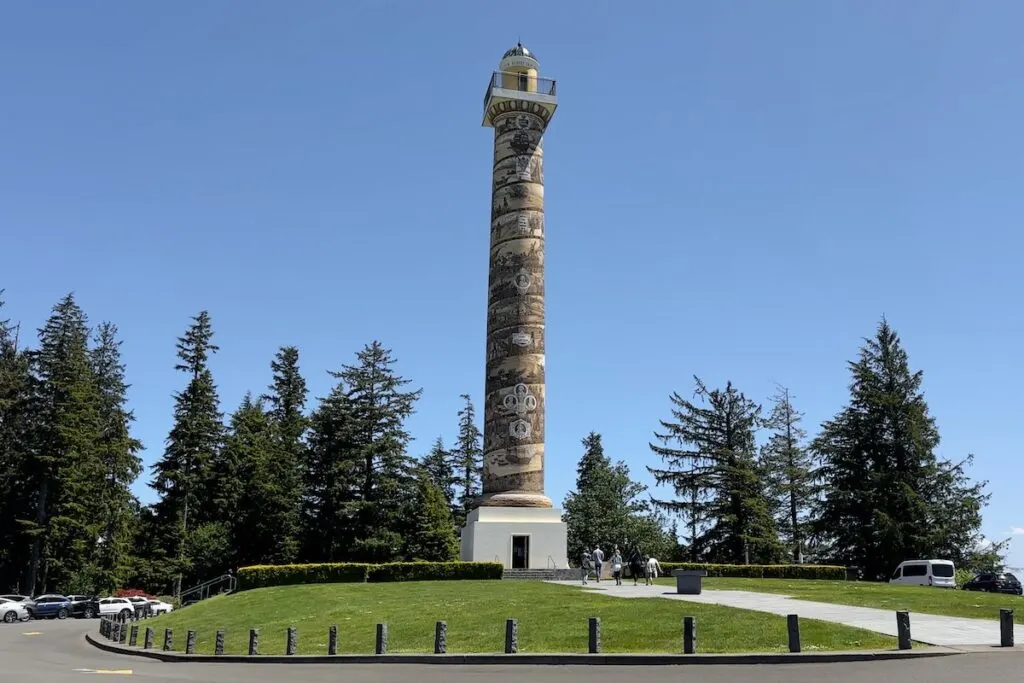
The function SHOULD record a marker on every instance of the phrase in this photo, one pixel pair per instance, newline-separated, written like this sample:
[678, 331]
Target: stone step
[529, 574]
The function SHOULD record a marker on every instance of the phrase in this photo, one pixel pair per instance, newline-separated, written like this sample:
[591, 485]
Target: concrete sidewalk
[925, 628]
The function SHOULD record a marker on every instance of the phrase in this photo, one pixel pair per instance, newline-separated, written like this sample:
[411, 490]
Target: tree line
[279, 480]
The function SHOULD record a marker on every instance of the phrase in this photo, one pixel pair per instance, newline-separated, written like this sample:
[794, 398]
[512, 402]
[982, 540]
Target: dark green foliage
[716, 477]
[605, 509]
[762, 571]
[263, 576]
[789, 471]
[431, 536]
[188, 476]
[889, 498]
[119, 453]
[437, 464]
[468, 456]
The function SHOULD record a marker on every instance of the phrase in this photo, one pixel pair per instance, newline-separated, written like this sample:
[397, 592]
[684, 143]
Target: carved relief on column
[515, 392]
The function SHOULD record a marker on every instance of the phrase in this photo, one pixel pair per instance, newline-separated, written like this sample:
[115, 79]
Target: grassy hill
[953, 603]
[552, 618]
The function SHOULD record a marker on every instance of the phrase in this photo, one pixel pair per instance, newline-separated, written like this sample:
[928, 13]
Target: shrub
[963, 576]
[262, 576]
[763, 571]
[133, 593]
[436, 571]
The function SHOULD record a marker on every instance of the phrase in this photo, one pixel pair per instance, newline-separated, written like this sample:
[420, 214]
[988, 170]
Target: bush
[133, 593]
[436, 571]
[262, 576]
[963, 576]
[763, 571]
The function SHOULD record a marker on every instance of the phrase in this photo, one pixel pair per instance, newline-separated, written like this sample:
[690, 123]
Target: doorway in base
[520, 552]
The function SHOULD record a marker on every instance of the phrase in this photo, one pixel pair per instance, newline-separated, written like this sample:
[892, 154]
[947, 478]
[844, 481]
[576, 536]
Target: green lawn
[954, 603]
[552, 618]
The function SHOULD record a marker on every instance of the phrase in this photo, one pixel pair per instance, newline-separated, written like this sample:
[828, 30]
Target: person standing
[617, 566]
[586, 564]
[598, 561]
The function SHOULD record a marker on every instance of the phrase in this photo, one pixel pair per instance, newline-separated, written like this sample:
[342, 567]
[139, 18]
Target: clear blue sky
[734, 189]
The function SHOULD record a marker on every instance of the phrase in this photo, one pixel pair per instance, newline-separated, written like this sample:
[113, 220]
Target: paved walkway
[925, 628]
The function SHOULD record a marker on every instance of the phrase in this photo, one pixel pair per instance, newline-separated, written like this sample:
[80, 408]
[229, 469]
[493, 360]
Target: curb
[534, 659]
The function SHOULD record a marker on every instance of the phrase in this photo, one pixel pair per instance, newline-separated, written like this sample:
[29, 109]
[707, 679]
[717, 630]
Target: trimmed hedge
[265, 575]
[763, 571]
[436, 571]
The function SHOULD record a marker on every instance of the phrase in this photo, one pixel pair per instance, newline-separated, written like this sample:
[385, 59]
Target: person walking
[586, 564]
[617, 566]
[598, 561]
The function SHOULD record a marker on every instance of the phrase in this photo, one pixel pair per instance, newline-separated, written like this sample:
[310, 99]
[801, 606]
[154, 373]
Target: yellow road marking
[33, 633]
[114, 672]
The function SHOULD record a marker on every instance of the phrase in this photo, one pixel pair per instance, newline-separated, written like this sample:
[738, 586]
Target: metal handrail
[204, 588]
[551, 563]
[535, 84]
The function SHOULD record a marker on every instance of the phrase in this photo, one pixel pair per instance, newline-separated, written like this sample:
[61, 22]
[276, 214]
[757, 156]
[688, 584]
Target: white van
[938, 573]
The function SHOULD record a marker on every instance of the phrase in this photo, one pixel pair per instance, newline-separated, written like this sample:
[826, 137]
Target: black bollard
[382, 639]
[793, 626]
[440, 638]
[511, 636]
[218, 643]
[122, 634]
[133, 637]
[332, 640]
[147, 643]
[190, 643]
[168, 640]
[689, 636]
[290, 644]
[254, 642]
[1006, 627]
[114, 631]
[594, 635]
[903, 629]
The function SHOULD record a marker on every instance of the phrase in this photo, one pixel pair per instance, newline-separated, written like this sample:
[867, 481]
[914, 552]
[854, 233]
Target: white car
[159, 607]
[12, 611]
[117, 607]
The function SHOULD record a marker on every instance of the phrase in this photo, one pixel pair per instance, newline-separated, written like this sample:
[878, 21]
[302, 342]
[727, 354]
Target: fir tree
[716, 474]
[437, 464]
[606, 508]
[287, 401]
[330, 480]
[185, 477]
[263, 527]
[118, 451]
[66, 463]
[379, 409]
[432, 534]
[789, 468]
[889, 497]
[468, 459]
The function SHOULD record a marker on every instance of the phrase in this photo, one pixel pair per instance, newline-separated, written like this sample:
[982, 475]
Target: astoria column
[519, 105]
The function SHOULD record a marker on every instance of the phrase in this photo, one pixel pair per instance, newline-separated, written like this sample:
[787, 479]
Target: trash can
[688, 581]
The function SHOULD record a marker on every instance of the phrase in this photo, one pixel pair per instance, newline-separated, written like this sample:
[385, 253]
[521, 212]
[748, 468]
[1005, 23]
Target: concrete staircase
[541, 574]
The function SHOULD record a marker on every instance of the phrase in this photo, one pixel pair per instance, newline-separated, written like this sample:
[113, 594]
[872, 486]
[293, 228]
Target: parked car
[141, 606]
[84, 606]
[12, 611]
[994, 583]
[938, 573]
[52, 607]
[159, 607]
[116, 607]
[25, 600]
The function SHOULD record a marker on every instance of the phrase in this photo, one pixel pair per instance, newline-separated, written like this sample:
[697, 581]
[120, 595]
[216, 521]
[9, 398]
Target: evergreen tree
[330, 482]
[889, 497]
[437, 464]
[186, 476]
[468, 460]
[789, 468]
[605, 509]
[432, 535]
[263, 528]
[287, 401]
[66, 463]
[118, 451]
[379, 409]
[17, 509]
[717, 476]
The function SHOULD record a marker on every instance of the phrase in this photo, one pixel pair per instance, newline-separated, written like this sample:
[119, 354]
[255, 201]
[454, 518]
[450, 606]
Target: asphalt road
[58, 653]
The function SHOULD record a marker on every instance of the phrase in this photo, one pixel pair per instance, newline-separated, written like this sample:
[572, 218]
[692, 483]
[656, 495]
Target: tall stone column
[513, 473]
